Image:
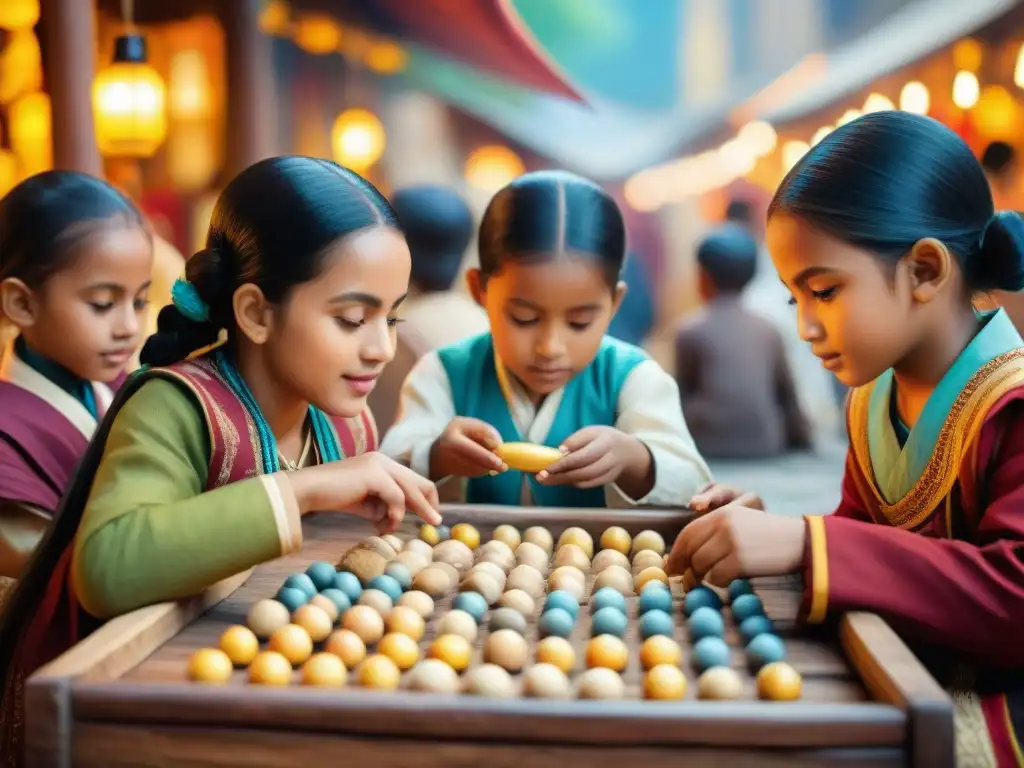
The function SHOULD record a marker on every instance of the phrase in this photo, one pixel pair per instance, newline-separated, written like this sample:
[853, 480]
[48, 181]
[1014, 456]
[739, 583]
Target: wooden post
[251, 118]
[70, 30]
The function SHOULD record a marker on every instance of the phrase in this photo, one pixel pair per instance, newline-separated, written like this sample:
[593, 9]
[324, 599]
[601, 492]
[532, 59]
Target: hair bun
[1000, 262]
[211, 273]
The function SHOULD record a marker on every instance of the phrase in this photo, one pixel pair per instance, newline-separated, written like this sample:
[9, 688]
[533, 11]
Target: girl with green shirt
[205, 465]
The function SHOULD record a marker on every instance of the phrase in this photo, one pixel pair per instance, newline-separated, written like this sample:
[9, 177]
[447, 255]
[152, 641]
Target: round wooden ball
[420, 602]
[647, 558]
[365, 564]
[507, 618]
[454, 574]
[546, 681]
[394, 542]
[651, 540]
[430, 534]
[491, 681]
[497, 552]
[327, 605]
[293, 642]
[653, 573]
[211, 665]
[240, 644]
[540, 536]
[607, 651]
[420, 547]
[557, 651]
[433, 581]
[568, 579]
[506, 648]
[607, 558]
[400, 648]
[658, 650]
[600, 683]
[413, 561]
[347, 646]
[719, 683]
[532, 555]
[379, 545]
[578, 536]
[434, 676]
[520, 601]
[779, 682]
[270, 668]
[483, 583]
[365, 622]
[616, 539]
[266, 616]
[405, 620]
[458, 623]
[572, 554]
[455, 553]
[315, 620]
[508, 535]
[492, 570]
[378, 671]
[453, 650]
[324, 670]
[380, 601]
[665, 682]
[467, 534]
[528, 579]
[616, 577]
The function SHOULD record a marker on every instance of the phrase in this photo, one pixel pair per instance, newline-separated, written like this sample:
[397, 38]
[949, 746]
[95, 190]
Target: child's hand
[713, 495]
[466, 449]
[595, 457]
[734, 542]
[371, 486]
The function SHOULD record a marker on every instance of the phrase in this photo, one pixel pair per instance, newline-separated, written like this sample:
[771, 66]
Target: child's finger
[581, 457]
[481, 432]
[475, 454]
[578, 439]
[709, 555]
[601, 467]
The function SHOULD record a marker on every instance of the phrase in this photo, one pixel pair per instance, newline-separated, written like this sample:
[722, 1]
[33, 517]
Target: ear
[253, 313]
[930, 266]
[475, 282]
[618, 295]
[18, 303]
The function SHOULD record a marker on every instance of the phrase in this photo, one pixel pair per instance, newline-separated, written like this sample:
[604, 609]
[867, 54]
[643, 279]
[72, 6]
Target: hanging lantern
[129, 102]
[491, 167]
[21, 65]
[358, 139]
[30, 132]
[273, 19]
[189, 86]
[996, 114]
[317, 34]
[386, 57]
[19, 14]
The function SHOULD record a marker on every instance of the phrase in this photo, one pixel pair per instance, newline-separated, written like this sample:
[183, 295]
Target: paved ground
[797, 484]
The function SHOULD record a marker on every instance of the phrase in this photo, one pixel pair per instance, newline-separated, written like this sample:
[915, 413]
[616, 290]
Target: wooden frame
[81, 710]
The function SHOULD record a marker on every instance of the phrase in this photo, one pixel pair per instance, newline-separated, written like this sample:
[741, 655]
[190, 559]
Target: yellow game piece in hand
[324, 670]
[779, 682]
[240, 644]
[209, 665]
[270, 668]
[528, 457]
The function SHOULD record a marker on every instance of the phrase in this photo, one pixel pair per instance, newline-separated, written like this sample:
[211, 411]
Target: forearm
[638, 477]
[155, 552]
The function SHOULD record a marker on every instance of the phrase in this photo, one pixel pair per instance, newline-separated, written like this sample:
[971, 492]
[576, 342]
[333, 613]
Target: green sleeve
[149, 533]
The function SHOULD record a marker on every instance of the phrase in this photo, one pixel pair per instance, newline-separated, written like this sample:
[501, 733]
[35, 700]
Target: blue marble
[754, 626]
[302, 582]
[765, 649]
[609, 621]
[349, 584]
[388, 585]
[339, 598]
[739, 587]
[706, 622]
[322, 575]
[472, 603]
[291, 598]
[607, 597]
[655, 600]
[562, 599]
[656, 623]
[399, 573]
[701, 597]
[555, 621]
[745, 606]
[711, 652]
[443, 533]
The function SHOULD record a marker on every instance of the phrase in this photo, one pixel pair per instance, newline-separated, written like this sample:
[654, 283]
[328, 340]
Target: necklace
[294, 466]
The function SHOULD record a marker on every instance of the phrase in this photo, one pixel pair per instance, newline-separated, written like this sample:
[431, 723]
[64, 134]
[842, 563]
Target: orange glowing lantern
[386, 57]
[21, 65]
[30, 130]
[129, 102]
[491, 167]
[358, 139]
[19, 14]
[317, 34]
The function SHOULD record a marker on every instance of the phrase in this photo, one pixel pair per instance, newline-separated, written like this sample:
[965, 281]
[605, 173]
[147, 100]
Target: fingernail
[542, 476]
[563, 449]
[492, 472]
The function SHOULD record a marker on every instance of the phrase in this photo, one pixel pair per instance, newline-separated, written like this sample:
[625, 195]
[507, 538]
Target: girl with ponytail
[885, 234]
[206, 463]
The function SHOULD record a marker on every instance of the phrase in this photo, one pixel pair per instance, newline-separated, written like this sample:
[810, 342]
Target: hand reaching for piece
[715, 495]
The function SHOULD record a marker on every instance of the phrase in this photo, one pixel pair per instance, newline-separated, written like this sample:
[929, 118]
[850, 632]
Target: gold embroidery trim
[1012, 732]
[962, 426]
[819, 569]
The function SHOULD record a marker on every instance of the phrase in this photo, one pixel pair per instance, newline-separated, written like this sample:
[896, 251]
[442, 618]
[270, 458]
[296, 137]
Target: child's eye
[791, 301]
[523, 323]
[825, 295]
[102, 306]
[579, 326]
[393, 321]
[348, 324]
[141, 304]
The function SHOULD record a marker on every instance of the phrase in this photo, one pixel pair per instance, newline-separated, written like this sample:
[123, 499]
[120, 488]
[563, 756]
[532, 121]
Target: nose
[550, 345]
[379, 343]
[808, 325]
[128, 322]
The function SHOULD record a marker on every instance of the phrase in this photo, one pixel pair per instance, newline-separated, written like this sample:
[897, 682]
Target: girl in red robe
[883, 233]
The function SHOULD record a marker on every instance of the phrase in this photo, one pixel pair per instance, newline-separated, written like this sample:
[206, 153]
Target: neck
[284, 413]
[920, 372]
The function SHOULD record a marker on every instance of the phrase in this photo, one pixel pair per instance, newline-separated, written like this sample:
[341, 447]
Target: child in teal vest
[551, 250]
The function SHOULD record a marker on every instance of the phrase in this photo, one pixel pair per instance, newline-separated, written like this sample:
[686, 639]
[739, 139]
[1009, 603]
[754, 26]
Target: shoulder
[621, 352]
[159, 402]
[465, 351]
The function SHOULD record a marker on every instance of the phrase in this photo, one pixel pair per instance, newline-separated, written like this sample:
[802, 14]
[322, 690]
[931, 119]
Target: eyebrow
[807, 274]
[116, 287]
[367, 299]
[531, 305]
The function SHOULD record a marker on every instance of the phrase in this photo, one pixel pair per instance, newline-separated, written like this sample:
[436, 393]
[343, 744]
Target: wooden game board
[121, 697]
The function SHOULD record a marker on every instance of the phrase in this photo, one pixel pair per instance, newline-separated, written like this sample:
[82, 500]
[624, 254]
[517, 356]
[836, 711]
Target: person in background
[735, 383]
[1002, 169]
[635, 318]
[438, 226]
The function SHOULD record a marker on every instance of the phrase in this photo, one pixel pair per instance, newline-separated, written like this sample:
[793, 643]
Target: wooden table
[121, 698]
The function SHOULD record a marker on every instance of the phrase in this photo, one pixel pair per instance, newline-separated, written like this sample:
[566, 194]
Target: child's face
[547, 318]
[88, 317]
[857, 317]
[338, 331]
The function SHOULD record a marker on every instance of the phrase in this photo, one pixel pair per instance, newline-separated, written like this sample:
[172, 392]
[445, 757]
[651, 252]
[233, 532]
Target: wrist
[437, 463]
[308, 488]
[638, 472]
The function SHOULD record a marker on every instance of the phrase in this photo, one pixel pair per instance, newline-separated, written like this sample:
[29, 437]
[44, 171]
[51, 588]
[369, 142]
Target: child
[551, 248]
[882, 233]
[204, 468]
[738, 394]
[75, 263]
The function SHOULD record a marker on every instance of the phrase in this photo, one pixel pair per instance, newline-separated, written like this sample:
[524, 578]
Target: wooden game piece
[556, 622]
[455, 553]
[527, 457]
[701, 597]
[365, 564]
[291, 598]
[508, 535]
[607, 651]
[600, 683]
[493, 570]
[569, 579]
[579, 537]
[401, 575]
[349, 584]
[429, 534]
[400, 648]
[302, 582]
[608, 621]
[454, 574]
[507, 618]
[418, 547]
[467, 534]
[394, 542]
[765, 649]
[616, 539]
[453, 650]
[321, 574]
[546, 681]
[609, 557]
[654, 573]
[558, 651]
[614, 577]
[532, 555]
[240, 644]
[483, 584]
[665, 682]
[472, 603]
[270, 668]
[434, 676]
[380, 601]
[572, 555]
[705, 622]
[420, 602]
[365, 622]
[779, 682]
[651, 540]
[293, 642]
[378, 671]
[500, 552]
[210, 665]
[459, 623]
[653, 599]
[540, 536]
[607, 597]
[745, 606]
[265, 616]
[528, 579]
[412, 560]
[719, 683]
[326, 604]
[506, 648]
[315, 620]
[405, 620]
[520, 600]
[433, 581]
[658, 650]
[489, 680]
[562, 599]
[379, 545]
[347, 646]
[656, 623]
[323, 670]
[710, 652]
[646, 559]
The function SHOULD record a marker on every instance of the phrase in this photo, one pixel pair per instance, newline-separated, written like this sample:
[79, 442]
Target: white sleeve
[649, 410]
[425, 408]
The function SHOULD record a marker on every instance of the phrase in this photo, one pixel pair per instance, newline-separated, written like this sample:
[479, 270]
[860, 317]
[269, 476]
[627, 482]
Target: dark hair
[997, 157]
[889, 179]
[438, 226]
[550, 212]
[271, 227]
[739, 211]
[729, 256]
[47, 216]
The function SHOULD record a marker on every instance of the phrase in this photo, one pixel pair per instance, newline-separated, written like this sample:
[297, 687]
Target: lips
[363, 384]
[831, 360]
[117, 356]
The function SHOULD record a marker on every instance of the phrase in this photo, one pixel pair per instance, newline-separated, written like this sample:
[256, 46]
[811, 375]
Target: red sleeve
[968, 596]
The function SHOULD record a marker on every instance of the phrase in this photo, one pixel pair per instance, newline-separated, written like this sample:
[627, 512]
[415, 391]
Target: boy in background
[737, 390]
